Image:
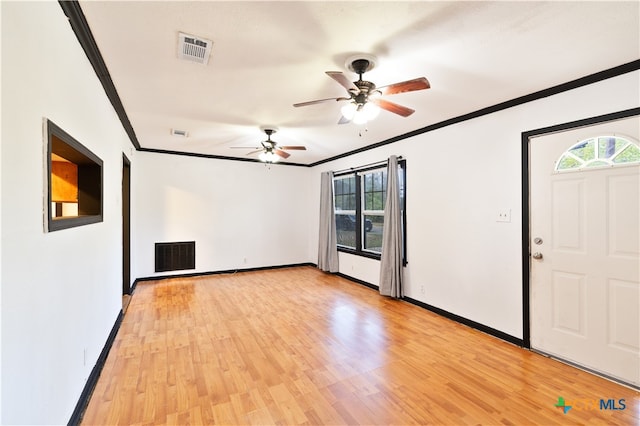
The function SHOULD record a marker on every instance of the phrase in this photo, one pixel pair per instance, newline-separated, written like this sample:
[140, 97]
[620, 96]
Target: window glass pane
[344, 193]
[351, 183]
[346, 230]
[375, 190]
[401, 182]
[607, 147]
[584, 150]
[568, 162]
[630, 154]
[377, 181]
[373, 226]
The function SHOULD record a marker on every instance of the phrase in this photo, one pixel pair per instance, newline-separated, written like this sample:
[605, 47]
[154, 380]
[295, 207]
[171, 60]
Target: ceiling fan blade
[343, 81]
[319, 101]
[253, 152]
[405, 86]
[392, 107]
[281, 153]
[245, 147]
[292, 147]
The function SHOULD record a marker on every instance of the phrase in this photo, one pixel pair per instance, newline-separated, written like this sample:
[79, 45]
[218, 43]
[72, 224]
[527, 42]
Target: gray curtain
[391, 260]
[327, 241]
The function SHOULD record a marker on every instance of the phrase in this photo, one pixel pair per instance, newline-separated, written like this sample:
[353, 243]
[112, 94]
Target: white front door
[585, 256]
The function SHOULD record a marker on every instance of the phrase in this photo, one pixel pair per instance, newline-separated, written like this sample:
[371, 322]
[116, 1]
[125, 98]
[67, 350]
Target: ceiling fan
[270, 151]
[364, 96]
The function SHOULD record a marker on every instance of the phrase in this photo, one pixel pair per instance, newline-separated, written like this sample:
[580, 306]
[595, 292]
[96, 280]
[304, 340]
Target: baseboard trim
[227, 271]
[358, 281]
[133, 287]
[457, 318]
[85, 396]
[470, 323]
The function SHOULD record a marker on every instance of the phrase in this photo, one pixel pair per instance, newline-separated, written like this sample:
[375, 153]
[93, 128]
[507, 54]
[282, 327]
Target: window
[360, 197]
[344, 190]
[74, 195]
[603, 151]
[374, 194]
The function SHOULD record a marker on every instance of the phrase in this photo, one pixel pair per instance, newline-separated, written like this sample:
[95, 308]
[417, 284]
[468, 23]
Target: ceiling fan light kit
[359, 113]
[268, 157]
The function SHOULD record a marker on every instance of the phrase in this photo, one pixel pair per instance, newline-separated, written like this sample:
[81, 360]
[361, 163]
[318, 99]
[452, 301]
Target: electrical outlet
[504, 215]
[422, 289]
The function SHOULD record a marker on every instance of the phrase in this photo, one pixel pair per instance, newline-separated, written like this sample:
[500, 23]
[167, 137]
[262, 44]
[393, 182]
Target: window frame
[360, 213]
[81, 156]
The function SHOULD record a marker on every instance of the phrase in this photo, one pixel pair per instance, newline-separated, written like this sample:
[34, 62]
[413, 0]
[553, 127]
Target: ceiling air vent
[181, 133]
[192, 48]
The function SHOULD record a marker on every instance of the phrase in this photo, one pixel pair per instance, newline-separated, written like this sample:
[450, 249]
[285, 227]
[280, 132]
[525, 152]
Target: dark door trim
[126, 225]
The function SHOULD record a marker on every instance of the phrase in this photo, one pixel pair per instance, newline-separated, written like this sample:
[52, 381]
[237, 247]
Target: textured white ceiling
[268, 55]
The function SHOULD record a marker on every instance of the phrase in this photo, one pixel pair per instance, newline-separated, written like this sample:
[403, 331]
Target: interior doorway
[126, 232]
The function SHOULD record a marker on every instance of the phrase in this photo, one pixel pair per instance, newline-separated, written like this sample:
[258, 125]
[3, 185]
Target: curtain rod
[355, 169]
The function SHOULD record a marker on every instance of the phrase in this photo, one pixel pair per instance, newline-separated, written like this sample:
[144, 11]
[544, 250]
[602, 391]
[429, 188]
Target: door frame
[126, 225]
[526, 211]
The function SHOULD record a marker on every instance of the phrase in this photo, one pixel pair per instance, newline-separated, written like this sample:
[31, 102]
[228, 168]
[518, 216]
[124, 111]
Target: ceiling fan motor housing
[360, 66]
[366, 89]
[361, 62]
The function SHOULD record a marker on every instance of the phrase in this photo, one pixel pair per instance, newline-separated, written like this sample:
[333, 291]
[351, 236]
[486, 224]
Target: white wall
[0, 225]
[240, 214]
[61, 291]
[458, 179]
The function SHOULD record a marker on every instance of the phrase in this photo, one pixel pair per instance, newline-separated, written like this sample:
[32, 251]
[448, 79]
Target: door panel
[624, 211]
[585, 275]
[623, 309]
[568, 212]
[569, 303]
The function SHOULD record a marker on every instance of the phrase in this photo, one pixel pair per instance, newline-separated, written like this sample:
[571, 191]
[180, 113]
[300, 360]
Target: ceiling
[268, 55]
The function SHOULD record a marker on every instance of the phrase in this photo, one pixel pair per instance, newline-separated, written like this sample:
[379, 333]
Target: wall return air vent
[193, 48]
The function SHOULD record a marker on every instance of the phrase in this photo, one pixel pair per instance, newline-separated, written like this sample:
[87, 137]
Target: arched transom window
[602, 151]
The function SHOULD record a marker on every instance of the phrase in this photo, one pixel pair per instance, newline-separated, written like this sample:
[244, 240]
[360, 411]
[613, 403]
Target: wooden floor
[297, 346]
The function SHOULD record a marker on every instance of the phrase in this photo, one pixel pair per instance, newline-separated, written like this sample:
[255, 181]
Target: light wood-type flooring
[297, 346]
